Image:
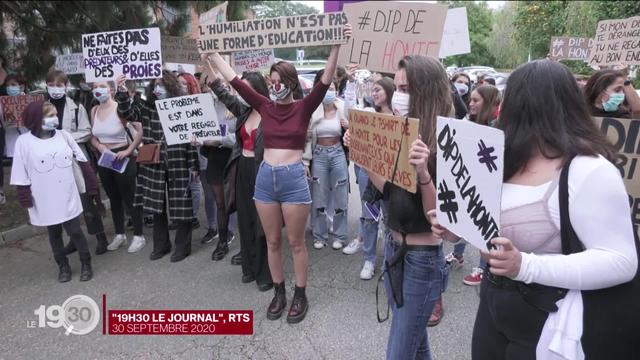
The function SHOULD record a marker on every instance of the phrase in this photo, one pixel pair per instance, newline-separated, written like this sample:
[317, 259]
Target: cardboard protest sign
[380, 143]
[570, 48]
[186, 117]
[455, 37]
[386, 31]
[214, 15]
[616, 42]
[135, 53]
[281, 32]
[180, 50]
[70, 63]
[624, 134]
[469, 182]
[13, 107]
[253, 60]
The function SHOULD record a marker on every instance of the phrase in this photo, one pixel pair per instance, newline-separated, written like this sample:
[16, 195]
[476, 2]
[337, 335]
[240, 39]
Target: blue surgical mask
[329, 97]
[615, 99]
[101, 94]
[13, 90]
[160, 92]
[56, 92]
[50, 123]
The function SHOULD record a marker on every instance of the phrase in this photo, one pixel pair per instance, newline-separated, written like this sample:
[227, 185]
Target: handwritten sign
[253, 60]
[469, 185]
[282, 32]
[181, 50]
[380, 143]
[135, 53]
[624, 134]
[616, 42]
[13, 107]
[386, 31]
[186, 117]
[455, 37]
[216, 14]
[70, 63]
[570, 48]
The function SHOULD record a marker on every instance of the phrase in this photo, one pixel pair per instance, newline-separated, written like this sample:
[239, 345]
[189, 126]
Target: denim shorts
[282, 185]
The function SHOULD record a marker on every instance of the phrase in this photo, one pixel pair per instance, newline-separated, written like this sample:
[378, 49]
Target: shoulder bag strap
[570, 242]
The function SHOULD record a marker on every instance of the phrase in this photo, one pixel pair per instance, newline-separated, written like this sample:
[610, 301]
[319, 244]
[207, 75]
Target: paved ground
[341, 323]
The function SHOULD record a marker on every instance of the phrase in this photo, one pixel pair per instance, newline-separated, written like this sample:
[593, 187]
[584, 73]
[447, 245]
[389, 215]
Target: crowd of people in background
[283, 162]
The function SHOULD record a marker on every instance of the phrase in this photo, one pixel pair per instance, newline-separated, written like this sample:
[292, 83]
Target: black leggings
[73, 229]
[506, 326]
[120, 189]
[253, 242]
[216, 162]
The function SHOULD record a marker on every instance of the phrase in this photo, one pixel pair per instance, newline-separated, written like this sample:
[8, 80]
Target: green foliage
[506, 50]
[537, 21]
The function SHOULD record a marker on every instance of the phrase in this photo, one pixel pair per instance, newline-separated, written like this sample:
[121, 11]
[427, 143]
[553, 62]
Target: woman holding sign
[567, 235]
[163, 185]
[282, 192]
[415, 271]
[116, 139]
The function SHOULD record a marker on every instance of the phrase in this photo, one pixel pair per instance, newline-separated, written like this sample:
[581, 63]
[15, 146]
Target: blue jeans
[368, 228]
[458, 251]
[425, 277]
[330, 178]
[286, 184]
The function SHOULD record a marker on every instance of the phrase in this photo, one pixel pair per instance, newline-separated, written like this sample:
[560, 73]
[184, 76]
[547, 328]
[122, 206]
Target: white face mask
[463, 89]
[56, 92]
[50, 123]
[400, 103]
[160, 92]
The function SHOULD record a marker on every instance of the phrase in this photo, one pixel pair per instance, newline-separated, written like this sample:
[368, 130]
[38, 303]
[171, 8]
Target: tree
[537, 21]
[502, 44]
[480, 19]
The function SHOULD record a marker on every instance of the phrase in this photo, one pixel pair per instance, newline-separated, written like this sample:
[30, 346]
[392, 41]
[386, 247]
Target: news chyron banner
[81, 315]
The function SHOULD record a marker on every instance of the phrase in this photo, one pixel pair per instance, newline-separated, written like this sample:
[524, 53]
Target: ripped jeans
[330, 178]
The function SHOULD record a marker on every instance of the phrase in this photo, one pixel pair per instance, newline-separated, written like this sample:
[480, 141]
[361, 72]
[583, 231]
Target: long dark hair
[171, 84]
[256, 81]
[430, 94]
[544, 110]
[597, 84]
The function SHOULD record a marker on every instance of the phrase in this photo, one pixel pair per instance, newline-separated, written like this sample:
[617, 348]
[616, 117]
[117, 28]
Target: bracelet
[427, 183]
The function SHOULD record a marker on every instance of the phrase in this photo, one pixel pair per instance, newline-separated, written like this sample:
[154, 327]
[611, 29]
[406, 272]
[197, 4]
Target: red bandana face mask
[278, 91]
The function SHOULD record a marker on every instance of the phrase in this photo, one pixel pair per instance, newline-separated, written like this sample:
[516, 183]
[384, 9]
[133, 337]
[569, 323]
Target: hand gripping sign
[469, 179]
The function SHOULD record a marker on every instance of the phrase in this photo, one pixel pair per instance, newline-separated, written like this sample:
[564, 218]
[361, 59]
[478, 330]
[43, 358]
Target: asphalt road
[341, 323]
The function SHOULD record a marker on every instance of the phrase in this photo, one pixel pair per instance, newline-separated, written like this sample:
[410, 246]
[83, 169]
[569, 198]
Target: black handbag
[394, 269]
[611, 318]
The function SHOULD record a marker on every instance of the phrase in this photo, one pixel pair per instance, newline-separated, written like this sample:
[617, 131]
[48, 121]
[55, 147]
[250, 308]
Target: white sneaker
[337, 245]
[367, 271]
[117, 242]
[354, 246]
[318, 245]
[137, 244]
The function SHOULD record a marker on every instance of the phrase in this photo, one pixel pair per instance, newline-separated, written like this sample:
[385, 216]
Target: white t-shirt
[46, 165]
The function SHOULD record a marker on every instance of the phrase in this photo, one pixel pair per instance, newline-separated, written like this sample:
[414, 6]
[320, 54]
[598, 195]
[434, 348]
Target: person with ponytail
[42, 171]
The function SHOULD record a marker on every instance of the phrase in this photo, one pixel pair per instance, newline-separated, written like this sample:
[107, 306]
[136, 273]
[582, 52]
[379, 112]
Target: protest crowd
[273, 159]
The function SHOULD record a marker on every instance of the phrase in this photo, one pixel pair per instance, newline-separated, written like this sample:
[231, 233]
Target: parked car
[501, 80]
[474, 71]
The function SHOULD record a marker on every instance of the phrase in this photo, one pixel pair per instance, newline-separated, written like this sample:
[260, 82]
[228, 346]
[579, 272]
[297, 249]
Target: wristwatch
[627, 82]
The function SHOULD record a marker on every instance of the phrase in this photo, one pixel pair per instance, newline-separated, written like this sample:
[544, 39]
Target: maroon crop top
[283, 126]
